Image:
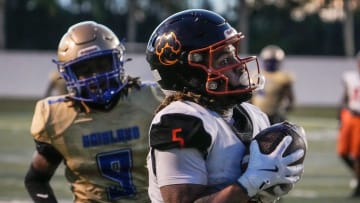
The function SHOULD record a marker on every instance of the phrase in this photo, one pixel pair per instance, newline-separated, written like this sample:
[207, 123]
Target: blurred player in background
[99, 130]
[348, 143]
[56, 86]
[200, 132]
[277, 97]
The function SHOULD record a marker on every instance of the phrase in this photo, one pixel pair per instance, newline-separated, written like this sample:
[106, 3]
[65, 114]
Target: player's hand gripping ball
[269, 138]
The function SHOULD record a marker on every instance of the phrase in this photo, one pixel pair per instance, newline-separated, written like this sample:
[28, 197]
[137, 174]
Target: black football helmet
[186, 53]
[272, 57]
[90, 59]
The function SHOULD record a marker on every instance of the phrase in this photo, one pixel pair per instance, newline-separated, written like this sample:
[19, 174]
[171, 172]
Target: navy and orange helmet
[181, 51]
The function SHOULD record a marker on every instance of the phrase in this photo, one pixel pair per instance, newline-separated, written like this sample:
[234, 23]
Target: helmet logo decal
[87, 50]
[167, 48]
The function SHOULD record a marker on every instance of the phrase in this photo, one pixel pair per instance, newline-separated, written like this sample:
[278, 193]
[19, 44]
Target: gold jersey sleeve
[104, 152]
[270, 98]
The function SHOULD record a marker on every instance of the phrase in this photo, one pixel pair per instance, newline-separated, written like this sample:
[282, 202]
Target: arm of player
[43, 166]
[267, 170]
[188, 180]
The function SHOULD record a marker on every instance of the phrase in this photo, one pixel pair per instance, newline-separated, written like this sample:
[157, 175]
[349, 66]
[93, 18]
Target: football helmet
[196, 50]
[90, 59]
[272, 56]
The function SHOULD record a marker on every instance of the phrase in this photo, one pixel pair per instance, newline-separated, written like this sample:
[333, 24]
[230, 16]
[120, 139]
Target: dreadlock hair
[218, 104]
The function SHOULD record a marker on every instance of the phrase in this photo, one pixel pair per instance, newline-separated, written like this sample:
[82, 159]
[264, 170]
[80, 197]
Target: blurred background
[301, 27]
[320, 39]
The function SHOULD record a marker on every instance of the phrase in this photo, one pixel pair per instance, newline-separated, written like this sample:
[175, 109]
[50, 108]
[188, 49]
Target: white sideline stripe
[322, 135]
[304, 194]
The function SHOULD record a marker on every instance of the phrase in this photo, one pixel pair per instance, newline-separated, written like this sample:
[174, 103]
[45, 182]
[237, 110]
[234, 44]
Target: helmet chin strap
[105, 106]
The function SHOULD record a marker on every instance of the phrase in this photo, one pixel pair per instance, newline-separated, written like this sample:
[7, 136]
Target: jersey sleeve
[192, 169]
[147, 98]
[52, 116]
[288, 78]
[156, 91]
[38, 125]
[179, 131]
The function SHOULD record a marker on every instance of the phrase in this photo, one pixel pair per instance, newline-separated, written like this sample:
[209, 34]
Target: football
[269, 138]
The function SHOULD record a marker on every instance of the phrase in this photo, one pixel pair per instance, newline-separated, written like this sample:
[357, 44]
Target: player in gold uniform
[98, 130]
[277, 97]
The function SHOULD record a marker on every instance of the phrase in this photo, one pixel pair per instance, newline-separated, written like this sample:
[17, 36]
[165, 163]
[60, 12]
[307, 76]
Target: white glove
[267, 170]
[270, 195]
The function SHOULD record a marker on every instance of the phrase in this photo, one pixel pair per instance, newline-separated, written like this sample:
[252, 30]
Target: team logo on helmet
[88, 50]
[168, 48]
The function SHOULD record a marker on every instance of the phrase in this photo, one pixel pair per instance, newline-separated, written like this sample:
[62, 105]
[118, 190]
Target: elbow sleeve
[38, 186]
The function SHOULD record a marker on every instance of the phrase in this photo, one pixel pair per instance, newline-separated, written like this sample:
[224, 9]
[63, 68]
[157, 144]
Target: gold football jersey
[269, 100]
[104, 152]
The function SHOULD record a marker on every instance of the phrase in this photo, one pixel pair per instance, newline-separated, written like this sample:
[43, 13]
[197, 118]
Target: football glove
[271, 194]
[266, 170]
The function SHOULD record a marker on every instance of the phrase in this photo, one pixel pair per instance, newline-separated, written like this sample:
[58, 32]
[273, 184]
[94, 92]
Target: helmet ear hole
[212, 85]
[196, 58]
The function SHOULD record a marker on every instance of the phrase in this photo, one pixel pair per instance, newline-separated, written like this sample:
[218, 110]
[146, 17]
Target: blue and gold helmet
[272, 57]
[90, 59]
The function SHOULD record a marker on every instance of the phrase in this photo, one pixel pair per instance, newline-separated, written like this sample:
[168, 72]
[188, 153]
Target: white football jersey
[104, 152]
[193, 145]
[352, 83]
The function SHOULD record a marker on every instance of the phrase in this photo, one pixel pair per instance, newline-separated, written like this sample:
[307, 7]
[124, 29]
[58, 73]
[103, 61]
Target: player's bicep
[180, 166]
[181, 192]
[49, 152]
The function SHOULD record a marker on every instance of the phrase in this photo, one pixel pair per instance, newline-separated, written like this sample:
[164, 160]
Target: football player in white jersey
[348, 143]
[99, 130]
[199, 135]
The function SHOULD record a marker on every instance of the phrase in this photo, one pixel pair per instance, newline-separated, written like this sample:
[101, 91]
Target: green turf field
[325, 180]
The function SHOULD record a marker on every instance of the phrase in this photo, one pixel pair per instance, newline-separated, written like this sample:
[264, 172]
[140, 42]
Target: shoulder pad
[179, 131]
[51, 117]
[155, 89]
[38, 125]
[148, 97]
[249, 120]
[287, 77]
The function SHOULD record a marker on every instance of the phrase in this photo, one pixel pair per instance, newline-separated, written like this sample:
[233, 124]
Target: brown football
[269, 139]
